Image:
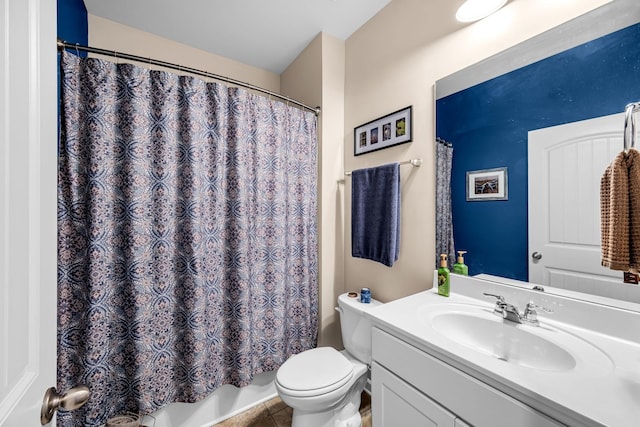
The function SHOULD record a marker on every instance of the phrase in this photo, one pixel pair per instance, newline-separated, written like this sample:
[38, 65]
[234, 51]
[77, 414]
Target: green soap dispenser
[460, 267]
[443, 277]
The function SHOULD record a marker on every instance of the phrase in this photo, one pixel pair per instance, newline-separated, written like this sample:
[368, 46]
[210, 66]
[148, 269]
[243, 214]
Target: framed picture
[487, 184]
[387, 131]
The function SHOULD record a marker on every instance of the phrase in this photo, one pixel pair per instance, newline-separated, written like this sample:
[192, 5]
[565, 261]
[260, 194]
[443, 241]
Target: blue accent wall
[488, 124]
[72, 22]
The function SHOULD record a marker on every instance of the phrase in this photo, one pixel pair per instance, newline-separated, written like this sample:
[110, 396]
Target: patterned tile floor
[275, 413]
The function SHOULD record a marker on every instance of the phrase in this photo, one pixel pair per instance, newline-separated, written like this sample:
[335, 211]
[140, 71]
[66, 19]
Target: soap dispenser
[460, 267]
[443, 276]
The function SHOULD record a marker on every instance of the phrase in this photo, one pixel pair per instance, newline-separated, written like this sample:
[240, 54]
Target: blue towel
[375, 213]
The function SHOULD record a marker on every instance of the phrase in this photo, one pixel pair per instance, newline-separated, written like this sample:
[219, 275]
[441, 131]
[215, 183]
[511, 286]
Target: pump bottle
[443, 276]
[460, 267]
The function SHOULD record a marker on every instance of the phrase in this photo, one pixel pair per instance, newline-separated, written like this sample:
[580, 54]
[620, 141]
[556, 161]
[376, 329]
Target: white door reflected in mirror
[566, 163]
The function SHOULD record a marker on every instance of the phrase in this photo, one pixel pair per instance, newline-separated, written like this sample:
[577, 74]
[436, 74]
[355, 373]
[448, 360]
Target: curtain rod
[64, 45]
[413, 162]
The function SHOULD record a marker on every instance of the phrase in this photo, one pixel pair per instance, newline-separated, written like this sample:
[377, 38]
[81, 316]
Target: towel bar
[413, 162]
[630, 125]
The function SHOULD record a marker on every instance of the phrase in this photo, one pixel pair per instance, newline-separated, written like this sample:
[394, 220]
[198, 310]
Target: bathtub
[224, 403]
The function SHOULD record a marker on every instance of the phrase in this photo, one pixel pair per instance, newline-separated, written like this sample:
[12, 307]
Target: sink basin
[541, 348]
[503, 340]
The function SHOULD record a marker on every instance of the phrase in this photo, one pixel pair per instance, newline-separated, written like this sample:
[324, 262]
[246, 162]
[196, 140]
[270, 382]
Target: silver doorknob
[536, 255]
[72, 399]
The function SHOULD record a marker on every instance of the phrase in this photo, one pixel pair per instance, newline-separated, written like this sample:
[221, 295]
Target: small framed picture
[387, 131]
[487, 184]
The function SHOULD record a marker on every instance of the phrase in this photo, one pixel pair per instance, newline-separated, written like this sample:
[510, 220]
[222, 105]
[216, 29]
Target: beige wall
[316, 77]
[332, 154]
[393, 61]
[106, 34]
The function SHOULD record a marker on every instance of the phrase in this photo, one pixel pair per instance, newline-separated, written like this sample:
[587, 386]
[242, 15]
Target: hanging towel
[375, 213]
[620, 212]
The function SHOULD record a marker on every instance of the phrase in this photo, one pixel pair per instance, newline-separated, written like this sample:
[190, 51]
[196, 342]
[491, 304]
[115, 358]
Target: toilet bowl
[323, 385]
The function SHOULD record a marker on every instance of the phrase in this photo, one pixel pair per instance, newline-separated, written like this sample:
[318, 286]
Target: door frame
[28, 191]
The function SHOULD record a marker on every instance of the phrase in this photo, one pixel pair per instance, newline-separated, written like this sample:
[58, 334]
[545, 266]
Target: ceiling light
[474, 10]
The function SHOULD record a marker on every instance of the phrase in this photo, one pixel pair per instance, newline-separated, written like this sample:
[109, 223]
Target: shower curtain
[187, 242]
[444, 219]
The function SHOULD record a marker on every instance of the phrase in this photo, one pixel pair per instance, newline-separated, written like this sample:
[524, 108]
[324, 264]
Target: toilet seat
[314, 372]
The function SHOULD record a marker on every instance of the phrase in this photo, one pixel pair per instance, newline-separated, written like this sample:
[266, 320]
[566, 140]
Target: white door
[28, 123]
[566, 163]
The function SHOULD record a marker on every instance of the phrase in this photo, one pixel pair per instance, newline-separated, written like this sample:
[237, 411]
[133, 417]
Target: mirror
[584, 69]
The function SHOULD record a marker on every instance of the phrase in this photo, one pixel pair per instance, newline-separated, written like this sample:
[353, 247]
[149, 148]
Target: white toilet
[323, 385]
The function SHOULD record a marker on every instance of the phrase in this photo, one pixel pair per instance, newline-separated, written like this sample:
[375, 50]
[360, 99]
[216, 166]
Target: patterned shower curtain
[187, 242]
[444, 219]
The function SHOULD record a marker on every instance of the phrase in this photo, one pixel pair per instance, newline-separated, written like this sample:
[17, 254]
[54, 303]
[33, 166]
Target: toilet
[323, 385]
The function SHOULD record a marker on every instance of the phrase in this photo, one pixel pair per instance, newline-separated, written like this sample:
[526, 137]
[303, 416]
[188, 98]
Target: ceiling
[268, 34]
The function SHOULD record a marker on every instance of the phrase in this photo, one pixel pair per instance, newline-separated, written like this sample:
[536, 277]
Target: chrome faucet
[510, 312]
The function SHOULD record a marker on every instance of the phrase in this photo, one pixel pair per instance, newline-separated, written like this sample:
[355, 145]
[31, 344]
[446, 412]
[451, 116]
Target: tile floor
[275, 413]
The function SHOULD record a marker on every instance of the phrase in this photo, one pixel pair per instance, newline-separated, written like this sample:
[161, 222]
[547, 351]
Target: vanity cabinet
[399, 404]
[410, 387]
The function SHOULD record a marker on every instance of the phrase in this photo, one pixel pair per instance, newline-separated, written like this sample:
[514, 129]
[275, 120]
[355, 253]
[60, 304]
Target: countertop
[594, 393]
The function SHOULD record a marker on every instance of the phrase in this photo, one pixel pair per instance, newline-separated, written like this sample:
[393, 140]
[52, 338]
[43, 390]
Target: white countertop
[593, 393]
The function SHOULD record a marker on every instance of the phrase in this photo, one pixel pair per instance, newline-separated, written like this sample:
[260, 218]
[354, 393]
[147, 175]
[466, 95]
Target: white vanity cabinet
[412, 388]
[399, 404]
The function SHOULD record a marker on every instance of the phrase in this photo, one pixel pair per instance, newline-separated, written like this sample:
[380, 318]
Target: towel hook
[629, 136]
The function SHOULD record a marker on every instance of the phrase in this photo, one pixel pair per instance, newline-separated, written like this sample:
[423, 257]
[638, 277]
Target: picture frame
[487, 184]
[392, 129]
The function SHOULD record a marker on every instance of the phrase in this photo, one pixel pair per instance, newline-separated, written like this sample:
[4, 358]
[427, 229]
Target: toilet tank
[356, 326]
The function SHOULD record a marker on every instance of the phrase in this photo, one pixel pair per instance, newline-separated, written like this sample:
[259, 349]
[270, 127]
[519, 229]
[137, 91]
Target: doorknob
[73, 399]
[536, 255]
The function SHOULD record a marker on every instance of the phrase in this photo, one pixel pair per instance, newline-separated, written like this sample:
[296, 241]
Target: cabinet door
[396, 403]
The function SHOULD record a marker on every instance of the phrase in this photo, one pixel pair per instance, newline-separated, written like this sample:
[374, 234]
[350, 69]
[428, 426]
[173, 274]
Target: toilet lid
[314, 369]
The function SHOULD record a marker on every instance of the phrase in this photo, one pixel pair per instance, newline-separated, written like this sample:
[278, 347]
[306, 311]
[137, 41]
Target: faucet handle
[531, 315]
[498, 310]
[531, 306]
[500, 298]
